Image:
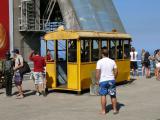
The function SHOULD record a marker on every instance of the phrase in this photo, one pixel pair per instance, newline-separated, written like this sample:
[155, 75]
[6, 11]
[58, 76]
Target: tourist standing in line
[147, 64]
[8, 73]
[17, 76]
[133, 59]
[39, 64]
[106, 73]
[142, 62]
[157, 61]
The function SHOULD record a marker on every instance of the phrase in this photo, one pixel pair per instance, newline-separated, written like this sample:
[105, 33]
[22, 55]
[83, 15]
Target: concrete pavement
[139, 100]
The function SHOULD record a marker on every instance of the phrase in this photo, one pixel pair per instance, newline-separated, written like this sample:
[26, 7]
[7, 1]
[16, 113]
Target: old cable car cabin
[75, 54]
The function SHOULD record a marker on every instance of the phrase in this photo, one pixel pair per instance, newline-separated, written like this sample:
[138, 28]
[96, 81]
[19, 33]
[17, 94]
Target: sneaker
[37, 94]
[44, 93]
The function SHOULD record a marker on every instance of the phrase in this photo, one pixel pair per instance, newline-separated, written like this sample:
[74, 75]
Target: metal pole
[11, 37]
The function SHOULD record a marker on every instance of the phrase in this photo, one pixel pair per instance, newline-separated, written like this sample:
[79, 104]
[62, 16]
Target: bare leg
[155, 72]
[143, 73]
[20, 94]
[103, 104]
[133, 72]
[147, 72]
[21, 91]
[114, 104]
[37, 88]
[137, 73]
[41, 87]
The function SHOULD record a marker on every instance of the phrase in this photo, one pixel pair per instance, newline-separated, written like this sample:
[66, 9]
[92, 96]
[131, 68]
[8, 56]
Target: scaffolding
[30, 19]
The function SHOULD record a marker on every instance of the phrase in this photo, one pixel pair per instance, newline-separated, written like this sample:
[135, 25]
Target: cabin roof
[72, 34]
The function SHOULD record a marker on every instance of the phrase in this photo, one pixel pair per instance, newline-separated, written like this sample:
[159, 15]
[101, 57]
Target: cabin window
[85, 51]
[72, 51]
[127, 47]
[112, 49]
[49, 51]
[94, 50]
[104, 44]
[119, 45]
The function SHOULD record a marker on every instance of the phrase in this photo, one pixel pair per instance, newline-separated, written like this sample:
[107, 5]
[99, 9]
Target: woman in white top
[17, 76]
[133, 59]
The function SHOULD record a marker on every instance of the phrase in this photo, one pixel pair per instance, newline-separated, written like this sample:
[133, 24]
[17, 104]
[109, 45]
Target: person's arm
[20, 59]
[31, 56]
[44, 62]
[98, 72]
[115, 72]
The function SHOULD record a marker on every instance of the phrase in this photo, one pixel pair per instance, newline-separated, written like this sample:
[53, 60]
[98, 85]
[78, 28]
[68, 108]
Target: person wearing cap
[17, 76]
[8, 73]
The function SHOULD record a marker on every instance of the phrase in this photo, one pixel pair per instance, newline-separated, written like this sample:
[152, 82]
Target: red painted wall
[4, 20]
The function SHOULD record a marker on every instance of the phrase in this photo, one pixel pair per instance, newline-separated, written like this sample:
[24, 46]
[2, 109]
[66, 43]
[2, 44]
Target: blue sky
[141, 19]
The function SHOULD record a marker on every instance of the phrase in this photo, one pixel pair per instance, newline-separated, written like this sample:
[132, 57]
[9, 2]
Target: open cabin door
[61, 63]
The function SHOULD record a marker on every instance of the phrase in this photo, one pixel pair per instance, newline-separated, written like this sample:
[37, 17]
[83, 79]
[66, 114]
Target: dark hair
[8, 54]
[133, 49]
[105, 52]
[36, 52]
[16, 51]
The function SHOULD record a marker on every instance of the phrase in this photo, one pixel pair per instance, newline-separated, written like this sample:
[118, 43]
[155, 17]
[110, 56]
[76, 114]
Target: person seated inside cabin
[119, 52]
[112, 53]
[48, 57]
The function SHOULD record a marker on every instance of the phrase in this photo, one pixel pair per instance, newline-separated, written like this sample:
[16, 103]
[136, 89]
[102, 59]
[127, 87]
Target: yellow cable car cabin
[75, 54]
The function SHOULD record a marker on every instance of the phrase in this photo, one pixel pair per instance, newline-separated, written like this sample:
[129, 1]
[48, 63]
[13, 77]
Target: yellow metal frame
[78, 73]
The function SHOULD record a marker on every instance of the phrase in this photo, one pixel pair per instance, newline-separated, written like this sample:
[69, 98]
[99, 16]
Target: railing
[140, 67]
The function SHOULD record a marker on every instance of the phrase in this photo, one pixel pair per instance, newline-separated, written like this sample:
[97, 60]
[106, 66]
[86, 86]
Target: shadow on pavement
[26, 92]
[126, 82]
[1, 93]
[119, 106]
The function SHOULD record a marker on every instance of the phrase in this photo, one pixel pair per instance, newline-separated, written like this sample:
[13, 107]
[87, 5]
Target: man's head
[133, 49]
[104, 53]
[36, 52]
[8, 55]
[15, 51]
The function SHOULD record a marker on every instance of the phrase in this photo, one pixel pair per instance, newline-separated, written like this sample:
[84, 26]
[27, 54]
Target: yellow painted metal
[123, 70]
[85, 74]
[79, 63]
[51, 74]
[64, 35]
[61, 35]
[79, 74]
[72, 76]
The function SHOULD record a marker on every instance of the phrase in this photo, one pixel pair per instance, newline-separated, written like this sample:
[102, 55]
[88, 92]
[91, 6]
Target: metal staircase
[30, 19]
[47, 24]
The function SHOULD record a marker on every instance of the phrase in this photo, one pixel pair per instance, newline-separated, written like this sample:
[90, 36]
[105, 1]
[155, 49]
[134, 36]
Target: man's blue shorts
[107, 88]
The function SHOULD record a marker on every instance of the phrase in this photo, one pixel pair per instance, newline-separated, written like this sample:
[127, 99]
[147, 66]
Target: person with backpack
[147, 64]
[142, 62]
[18, 77]
[8, 73]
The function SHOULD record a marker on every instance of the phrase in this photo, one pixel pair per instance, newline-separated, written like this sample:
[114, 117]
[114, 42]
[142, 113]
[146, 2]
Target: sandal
[18, 94]
[115, 112]
[20, 97]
